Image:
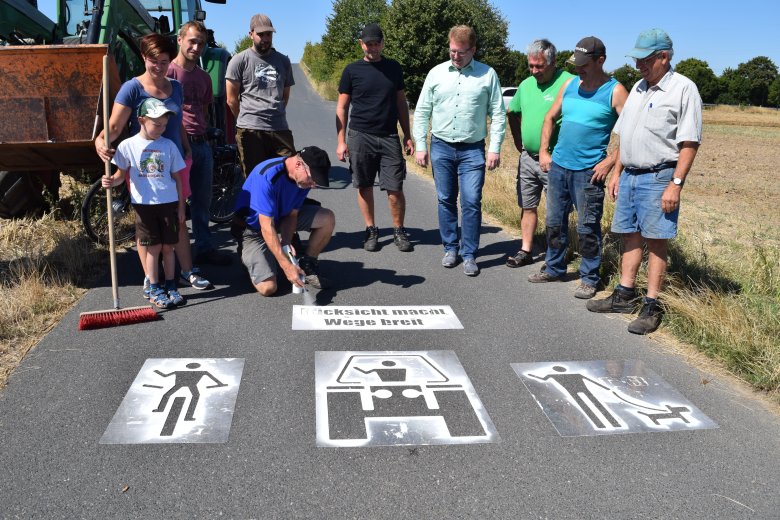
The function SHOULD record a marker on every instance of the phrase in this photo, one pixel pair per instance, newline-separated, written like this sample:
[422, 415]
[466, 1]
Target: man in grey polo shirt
[258, 87]
[660, 133]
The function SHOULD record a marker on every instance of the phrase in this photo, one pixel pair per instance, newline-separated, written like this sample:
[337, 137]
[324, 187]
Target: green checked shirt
[457, 103]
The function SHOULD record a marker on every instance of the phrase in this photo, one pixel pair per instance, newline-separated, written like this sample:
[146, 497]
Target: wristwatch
[677, 181]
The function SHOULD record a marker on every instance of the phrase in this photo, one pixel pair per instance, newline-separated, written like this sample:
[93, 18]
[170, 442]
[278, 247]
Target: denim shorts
[638, 206]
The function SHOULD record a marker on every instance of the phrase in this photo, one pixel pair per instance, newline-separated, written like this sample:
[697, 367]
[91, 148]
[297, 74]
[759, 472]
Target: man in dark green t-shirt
[526, 114]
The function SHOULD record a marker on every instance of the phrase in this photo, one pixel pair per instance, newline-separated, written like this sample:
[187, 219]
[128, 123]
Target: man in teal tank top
[525, 115]
[579, 164]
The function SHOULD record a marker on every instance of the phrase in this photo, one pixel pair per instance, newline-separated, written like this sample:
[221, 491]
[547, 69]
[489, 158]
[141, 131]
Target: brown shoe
[585, 291]
[543, 277]
[649, 319]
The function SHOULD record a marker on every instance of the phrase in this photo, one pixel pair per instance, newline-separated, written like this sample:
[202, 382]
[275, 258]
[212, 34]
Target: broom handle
[109, 201]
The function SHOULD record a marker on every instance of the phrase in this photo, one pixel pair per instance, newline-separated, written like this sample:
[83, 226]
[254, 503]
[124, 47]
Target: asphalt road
[61, 399]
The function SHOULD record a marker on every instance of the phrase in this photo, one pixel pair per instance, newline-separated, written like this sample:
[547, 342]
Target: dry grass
[45, 265]
[723, 290]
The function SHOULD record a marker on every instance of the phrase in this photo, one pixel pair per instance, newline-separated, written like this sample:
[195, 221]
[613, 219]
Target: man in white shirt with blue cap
[660, 132]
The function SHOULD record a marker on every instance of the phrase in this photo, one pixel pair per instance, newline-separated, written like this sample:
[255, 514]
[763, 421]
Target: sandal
[520, 258]
[160, 299]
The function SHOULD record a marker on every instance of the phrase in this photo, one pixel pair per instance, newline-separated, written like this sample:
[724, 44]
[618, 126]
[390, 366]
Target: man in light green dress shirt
[456, 100]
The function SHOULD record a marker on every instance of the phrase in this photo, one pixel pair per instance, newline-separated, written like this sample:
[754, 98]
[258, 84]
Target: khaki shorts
[531, 181]
[256, 146]
[255, 255]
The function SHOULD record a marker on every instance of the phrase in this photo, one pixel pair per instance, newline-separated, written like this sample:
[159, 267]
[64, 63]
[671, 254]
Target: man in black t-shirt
[375, 88]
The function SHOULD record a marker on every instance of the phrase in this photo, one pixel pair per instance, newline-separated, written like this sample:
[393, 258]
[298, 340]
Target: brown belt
[196, 138]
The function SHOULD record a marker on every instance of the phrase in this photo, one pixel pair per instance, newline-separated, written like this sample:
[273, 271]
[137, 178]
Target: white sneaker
[195, 279]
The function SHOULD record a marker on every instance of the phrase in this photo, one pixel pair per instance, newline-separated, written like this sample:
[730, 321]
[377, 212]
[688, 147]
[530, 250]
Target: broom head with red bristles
[113, 318]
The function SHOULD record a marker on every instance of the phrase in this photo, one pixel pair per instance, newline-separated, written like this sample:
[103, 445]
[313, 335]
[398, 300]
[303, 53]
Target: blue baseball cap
[650, 41]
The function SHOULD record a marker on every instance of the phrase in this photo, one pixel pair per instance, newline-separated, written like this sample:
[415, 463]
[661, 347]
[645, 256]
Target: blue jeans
[201, 176]
[459, 166]
[567, 188]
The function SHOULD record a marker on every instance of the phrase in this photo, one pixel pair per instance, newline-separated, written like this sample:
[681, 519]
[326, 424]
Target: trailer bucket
[49, 98]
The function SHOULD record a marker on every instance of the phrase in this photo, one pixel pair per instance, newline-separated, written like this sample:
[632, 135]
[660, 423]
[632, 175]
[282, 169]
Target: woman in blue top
[157, 52]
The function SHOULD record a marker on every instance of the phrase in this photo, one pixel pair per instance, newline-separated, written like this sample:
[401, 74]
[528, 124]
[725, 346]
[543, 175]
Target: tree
[627, 75]
[774, 93]
[748, 83]
[760, 73]
[521, 67]
[416, 36]
[734, 89]
[344, 26]
[561, 59]
[700, 73]
[242, 44]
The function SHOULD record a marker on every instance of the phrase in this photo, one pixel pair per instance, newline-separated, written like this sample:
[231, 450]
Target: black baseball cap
[318, 162]
[586, 49]
[372, 33]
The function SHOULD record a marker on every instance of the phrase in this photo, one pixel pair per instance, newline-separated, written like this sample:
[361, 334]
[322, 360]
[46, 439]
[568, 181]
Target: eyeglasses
[456, 52]
[647, 59]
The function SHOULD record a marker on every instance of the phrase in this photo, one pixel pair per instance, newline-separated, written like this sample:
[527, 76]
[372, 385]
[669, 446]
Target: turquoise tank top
[588, 118]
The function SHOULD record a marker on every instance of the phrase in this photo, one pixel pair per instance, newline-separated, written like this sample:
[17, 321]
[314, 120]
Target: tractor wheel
[21, 194]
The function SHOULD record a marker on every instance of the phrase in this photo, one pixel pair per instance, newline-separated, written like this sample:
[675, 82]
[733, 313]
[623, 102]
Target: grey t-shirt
[262, 80]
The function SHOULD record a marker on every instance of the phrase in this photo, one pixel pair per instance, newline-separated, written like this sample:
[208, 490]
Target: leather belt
[653, 169]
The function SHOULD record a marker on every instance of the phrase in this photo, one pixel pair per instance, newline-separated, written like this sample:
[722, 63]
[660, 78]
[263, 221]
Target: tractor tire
[21, 195]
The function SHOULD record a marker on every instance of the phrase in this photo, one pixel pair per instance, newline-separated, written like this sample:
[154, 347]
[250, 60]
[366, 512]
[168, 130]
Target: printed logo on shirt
[152, 165]
[266, 76]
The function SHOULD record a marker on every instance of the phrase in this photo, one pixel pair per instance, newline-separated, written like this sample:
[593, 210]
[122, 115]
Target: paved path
[59, 402]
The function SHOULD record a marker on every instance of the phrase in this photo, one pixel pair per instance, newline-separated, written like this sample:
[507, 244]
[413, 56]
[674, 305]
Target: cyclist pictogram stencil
[178, 401]
[397, 399]
[608, 397]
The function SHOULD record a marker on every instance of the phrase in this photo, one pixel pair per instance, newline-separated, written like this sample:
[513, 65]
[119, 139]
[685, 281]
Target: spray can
[287, 251]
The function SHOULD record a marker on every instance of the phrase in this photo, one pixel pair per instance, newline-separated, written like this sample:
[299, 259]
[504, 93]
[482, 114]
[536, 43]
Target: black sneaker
[310, 266]
[401, 240]
[372, 235]
[621, 301]
[649, 319]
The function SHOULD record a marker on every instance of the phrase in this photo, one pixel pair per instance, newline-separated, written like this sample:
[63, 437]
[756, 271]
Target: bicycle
[227, 182]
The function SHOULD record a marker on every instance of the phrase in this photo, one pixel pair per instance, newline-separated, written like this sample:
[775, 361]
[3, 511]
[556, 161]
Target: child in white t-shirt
[153, 164]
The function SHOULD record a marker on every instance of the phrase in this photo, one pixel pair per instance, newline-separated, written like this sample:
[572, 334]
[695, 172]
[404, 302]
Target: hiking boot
[544, 277]
[519, 259]
[470, 267]
[450, 259]
[213, 257]
[159, 298]
[621, 301]
[147, 287]
[310, 266]
[401, 240]
[649, 319]
[585, 291]
[195, 279]
[372, 235]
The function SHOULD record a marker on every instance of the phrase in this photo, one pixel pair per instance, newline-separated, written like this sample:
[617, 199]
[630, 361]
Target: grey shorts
[255, 255]
[531, 181]
[371, 154]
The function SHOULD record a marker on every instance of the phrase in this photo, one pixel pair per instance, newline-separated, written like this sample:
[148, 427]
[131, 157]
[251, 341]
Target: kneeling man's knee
[267, 287]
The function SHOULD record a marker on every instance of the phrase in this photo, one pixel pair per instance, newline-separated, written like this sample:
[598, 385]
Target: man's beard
[263, 48]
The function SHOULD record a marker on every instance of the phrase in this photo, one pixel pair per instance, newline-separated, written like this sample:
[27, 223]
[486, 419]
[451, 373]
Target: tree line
[416, 36]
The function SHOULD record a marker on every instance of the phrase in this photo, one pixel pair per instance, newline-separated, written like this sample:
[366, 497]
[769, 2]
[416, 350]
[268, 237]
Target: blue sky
[723, 34]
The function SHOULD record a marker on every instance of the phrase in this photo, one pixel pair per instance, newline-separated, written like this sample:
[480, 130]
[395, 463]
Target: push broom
[115, 316]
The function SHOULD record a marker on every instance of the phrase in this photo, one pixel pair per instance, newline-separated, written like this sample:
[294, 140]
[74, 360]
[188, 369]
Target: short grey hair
[543, 47]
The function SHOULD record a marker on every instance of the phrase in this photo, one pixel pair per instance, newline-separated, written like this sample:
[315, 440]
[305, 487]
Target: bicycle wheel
[94, 217]
[227, 182]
